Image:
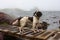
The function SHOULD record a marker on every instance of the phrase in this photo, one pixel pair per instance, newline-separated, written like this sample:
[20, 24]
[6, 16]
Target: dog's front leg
[34, 27]
[21, 29]
[35, 22]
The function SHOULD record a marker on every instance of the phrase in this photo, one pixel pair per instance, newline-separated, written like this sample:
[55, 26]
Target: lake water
[52, 18]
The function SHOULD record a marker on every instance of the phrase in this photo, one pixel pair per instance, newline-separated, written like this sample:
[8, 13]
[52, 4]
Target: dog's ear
[34, 13]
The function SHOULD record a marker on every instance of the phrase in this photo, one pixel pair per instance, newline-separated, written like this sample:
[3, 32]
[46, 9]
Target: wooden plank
[5, 30]
[46, 35]
[42, 34]
[26, 31]
[35, 34]
[0, 29]
[56, 36]
[9, 29]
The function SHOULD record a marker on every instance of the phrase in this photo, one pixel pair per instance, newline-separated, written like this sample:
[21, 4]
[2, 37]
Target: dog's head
[37, 14]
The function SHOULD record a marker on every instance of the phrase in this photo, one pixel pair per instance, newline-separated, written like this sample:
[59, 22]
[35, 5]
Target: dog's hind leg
[23, 22]
[35, 22]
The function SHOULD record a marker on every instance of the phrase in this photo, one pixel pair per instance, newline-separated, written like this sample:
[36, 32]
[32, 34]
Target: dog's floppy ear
[34, 13]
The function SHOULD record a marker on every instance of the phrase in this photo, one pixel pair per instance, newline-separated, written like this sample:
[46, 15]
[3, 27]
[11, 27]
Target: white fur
[35, 21]
[23, 22]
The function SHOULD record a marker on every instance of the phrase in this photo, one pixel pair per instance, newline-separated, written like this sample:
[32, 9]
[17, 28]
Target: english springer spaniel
[22, 21]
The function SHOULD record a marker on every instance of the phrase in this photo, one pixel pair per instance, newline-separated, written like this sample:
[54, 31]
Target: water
[51, 17]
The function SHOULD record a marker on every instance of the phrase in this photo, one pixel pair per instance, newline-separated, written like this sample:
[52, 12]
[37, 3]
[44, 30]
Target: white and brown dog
[22, 21]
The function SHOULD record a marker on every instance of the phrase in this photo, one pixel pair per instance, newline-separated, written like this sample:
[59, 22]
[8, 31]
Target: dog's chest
[35, 20]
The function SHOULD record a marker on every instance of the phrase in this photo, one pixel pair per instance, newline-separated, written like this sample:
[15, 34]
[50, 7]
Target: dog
[23, 21]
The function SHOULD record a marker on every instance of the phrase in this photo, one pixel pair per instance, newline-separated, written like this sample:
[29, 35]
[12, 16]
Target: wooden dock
[56, 36]
[27, 33]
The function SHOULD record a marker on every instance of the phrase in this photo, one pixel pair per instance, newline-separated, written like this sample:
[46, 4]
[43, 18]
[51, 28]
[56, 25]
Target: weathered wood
[35, 34]
[27, 33]
[46, 35]
[56, 36]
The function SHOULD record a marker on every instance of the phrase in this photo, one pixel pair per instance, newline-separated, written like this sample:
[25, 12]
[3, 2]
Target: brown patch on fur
[30, 18]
